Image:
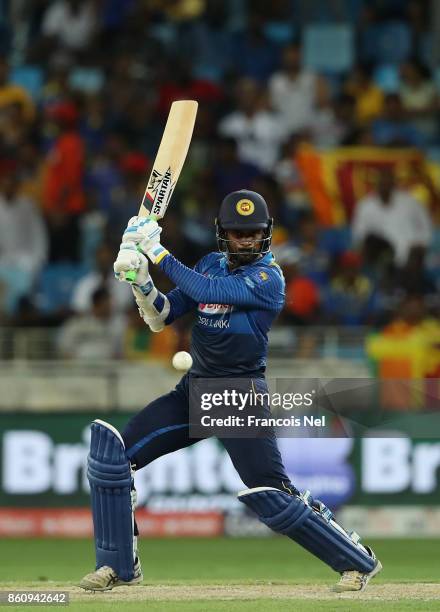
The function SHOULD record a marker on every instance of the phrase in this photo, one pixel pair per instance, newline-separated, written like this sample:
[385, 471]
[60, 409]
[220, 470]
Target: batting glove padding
[129, 259]
[154, 306]
[145, 232]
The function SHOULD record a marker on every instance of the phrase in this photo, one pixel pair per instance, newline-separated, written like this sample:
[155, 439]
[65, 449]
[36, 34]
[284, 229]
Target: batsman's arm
[180, 304]
[158, 309]
[155, 308]
[256, 289]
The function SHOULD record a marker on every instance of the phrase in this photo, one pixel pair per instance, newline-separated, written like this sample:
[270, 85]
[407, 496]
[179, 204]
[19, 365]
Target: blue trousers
[162, 427]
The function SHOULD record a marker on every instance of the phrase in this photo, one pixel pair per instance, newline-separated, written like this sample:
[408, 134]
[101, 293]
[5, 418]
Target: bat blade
[169, 159]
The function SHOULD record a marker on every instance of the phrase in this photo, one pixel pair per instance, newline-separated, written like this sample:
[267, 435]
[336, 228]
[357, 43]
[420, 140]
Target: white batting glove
[145, 233]
[153, 316]
[129, 259]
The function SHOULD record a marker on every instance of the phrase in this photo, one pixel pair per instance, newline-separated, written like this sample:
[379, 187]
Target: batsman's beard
[243, 257]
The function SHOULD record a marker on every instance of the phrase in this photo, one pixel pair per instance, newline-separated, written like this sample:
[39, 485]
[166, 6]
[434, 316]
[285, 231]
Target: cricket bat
[169, 162]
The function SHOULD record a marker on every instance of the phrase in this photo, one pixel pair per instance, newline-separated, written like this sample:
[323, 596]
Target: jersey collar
[267, 259]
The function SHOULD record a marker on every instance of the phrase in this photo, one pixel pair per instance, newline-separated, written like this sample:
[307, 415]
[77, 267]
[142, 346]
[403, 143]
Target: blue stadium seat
[425, 50]
[386, 43]
[386, 76]
[56, 284]
[433, 258]
[87, 80]
[329, 47]
[326, 11]
[5, 36]
[279, 32]
[29, 77]
[336, 240]
[165, 33]
[437, 78]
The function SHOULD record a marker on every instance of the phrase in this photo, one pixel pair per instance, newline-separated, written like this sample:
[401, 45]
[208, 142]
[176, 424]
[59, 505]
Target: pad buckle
[307, 498]
[318, 506]
[325, 512]
[354, 537]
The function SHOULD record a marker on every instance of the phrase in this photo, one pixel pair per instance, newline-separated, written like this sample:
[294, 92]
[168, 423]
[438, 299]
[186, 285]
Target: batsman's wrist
[157, 253]
[146, 288]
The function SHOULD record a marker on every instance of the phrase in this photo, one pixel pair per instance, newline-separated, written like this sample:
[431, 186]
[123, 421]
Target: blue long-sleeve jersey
[235, 309]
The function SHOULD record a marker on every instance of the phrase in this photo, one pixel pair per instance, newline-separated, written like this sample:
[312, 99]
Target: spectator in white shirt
[102, 276]
[257, 130]
[70, 23]
[293, 91]
[95, 334]
[391, 219]
[23, 238]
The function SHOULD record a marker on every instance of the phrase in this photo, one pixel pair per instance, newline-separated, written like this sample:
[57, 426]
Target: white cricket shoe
[105, 578]
[353, 580]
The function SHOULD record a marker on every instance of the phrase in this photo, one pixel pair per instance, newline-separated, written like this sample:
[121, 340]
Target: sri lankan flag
[337, 179]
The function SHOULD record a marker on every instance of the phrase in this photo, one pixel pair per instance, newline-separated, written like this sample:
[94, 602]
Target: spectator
[314, 258]
[93, 126]
[256, 129]
[369, 98]
[229, 173]
[141, 344]
[96, 334]
[56, 88]
[122, 63]
[202, 39]
[102, 276]
[349, 298]
[407, 348]
[290, 179]
[70, 24]
[23, 239]
[181, 84]
[293, 91]
[267, 186]
[255, 56]
[11, 95]
[326, 130]
[391, 223]
[393, 129]
[134, 168]
[104, 177]
[345, 114]
[31, 171]
[13, 129]
[302, 293]
[63, 191]
[419, 98]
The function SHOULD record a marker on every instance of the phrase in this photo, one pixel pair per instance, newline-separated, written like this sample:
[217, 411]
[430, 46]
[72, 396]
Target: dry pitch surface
[374, 592]
[392, 597]
[226, 575]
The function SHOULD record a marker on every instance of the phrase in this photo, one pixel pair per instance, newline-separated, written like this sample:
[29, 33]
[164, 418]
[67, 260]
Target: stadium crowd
[85, 88]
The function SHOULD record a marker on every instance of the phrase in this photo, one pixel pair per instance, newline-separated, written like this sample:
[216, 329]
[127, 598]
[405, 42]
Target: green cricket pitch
[231, 575]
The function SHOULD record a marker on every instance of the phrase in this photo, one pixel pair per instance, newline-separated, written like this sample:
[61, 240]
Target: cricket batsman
[244, 289]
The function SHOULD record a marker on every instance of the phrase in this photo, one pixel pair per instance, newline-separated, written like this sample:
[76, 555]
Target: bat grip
[131, 276]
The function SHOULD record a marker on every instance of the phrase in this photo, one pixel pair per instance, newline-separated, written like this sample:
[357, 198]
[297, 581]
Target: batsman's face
[246, 243]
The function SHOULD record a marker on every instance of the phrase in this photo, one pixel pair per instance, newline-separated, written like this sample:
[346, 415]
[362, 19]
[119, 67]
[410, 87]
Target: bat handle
[131, 276]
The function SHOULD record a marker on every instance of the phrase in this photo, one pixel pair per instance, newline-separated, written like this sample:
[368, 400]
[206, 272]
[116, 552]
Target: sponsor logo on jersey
[215, 308]
[263, 275]
[245, 207]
